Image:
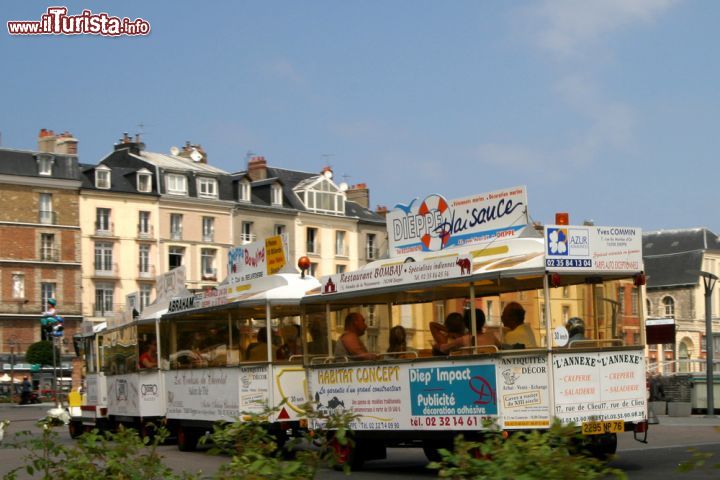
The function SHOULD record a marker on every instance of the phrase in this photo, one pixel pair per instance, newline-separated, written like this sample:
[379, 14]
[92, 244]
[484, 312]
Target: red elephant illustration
[465, 265]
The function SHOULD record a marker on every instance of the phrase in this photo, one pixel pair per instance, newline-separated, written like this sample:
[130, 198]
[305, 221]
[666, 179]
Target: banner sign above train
[592, 248]
[399, 273]
[257, 259]
[439, 224]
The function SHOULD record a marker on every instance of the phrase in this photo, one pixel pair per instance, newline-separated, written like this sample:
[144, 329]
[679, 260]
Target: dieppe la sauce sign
[438, 224]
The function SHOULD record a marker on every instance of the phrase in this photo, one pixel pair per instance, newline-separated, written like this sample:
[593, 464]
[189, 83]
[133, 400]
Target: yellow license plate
[598, 428]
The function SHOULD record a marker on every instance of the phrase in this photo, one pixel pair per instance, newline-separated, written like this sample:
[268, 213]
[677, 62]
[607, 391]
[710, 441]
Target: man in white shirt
[516, 330]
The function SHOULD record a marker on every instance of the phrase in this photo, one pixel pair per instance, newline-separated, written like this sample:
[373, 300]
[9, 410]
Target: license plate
[598, 428]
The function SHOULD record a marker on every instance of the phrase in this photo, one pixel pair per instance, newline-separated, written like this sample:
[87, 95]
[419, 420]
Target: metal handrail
[613, 342]
[475, 349]
[394, 355]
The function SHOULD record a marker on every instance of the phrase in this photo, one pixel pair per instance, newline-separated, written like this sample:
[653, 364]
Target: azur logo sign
[578, 241]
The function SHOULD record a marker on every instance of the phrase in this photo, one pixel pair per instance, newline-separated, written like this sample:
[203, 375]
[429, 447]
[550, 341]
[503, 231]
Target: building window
[246, 235]
[371, 250]
[176, 220]
[176, 184]
[668, 307]
[340, 246]
[314, 269]
[244, 190]
[144, 260]
[145, 292]
[47, 291]
[18, 286]
[321, 195]
[276, 194]
[634, 300]
[103, 257]
[372, 316]
[372, 343]
[47, 216]
[48, 253]
[102, 220]
[104, 298]
[340, 268]
[102, 177]
[313, 245]
[144, 181]
[208, 229]
[280, 230]
[489, 311]
[565, 313]
[144, 223]
[207, 261]
[175, 257]
[45, 164]
[565, 291]
[207, 187]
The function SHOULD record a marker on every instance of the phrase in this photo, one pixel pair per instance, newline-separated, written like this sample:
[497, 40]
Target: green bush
[119, 456]
[255, 453]
[551, 454]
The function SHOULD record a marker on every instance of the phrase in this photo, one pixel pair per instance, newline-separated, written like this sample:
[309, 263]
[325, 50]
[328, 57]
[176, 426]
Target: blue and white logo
[557, 241]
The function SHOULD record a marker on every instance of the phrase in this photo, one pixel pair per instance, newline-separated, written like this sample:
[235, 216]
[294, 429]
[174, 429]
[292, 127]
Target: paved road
[668, 446]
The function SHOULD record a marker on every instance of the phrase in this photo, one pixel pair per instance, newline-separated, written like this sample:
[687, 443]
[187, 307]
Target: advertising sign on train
[599, 386]
[523, 392]
[439, 224]
[591, 248]
[398, 273]
[207, 394]
[257, 259]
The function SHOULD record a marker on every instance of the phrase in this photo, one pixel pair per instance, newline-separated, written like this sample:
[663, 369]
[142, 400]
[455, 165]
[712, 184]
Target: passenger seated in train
[576, 329]
[517, 333]
[349, 344]
[450, 336]
[483, 337]
[317, 328]
[291, 342]
[257, 351]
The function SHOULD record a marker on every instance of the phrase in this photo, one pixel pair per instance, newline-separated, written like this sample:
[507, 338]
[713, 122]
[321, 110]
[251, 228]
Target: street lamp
[709, 280]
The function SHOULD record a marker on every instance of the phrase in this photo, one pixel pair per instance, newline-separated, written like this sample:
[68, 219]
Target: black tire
[431, 449]
[602, 446]
[187, 439]
[76, 428]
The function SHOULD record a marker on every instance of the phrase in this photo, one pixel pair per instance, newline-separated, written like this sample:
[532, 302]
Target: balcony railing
[146, 271]
[247, 238]
[372, 252]
[209, 274]
[208, 237]
[37, 307]
[106, 269]
[145, 231]
[107, 309]
[48, 217]
[341, 250]
[104, 228]
[49, 254]
[176, 234]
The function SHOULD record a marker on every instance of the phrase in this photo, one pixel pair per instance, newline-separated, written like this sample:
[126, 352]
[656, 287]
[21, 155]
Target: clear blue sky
[608, 110]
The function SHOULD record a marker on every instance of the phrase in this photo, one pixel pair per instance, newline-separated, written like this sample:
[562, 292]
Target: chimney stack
[257, 168]
[187, 151]
[359, 194]
[133, 145]
[382, 210]
[64, 142]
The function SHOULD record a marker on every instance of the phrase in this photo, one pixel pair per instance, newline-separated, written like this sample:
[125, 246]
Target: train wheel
[75, 428]
[187, 439]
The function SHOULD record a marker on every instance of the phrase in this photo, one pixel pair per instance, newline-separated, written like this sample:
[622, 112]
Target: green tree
[41, 353]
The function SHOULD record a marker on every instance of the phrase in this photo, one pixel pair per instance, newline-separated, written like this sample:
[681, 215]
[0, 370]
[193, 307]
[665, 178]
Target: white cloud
[568, 27]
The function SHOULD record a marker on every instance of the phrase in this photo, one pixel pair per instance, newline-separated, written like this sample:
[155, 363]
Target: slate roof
[24, 163]
[673, 258]
[289, 179]
[122, 179]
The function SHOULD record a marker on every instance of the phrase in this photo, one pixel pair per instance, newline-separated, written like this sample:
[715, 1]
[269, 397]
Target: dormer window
[144, 181]
[319, 194]
[244, 190]
[207, 187]
[276, 194]
[102, 177]
[176, 184]
[45, 163]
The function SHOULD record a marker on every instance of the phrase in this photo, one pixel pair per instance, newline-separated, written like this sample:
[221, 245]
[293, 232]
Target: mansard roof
[673, 258]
